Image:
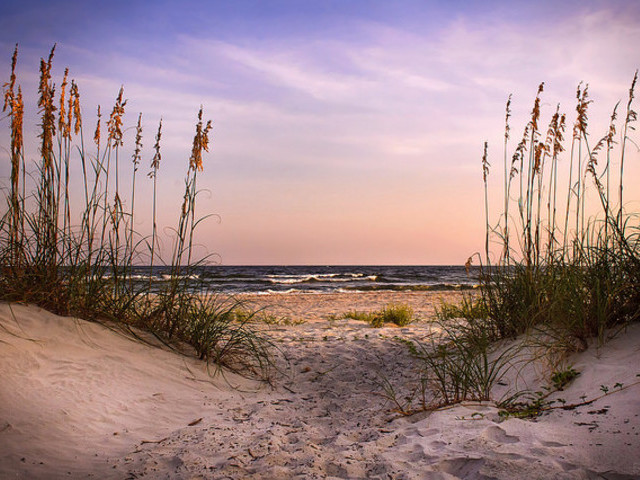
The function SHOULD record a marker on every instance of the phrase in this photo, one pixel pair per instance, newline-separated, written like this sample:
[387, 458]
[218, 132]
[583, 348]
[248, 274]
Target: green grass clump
[398, 314]
[469, 307]
[368, 317]
[461, 362]
[262, 316]
[72, 252]
[562, 268]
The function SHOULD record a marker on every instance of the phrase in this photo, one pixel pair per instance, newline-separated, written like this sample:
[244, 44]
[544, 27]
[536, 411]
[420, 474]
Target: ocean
[317, 279]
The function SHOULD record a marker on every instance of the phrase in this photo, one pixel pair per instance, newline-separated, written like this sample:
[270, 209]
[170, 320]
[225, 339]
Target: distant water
[318, 279]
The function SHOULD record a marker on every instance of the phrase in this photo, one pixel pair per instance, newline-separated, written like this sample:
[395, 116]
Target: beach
[314, 307]
[79, 400]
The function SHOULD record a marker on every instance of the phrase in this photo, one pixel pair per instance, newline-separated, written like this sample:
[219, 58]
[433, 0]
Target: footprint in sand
[552, 444]
[497, 434]
[461, 467]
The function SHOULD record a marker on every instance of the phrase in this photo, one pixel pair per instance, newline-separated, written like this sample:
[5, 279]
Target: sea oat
[10, 85]
[485, 162]
[96, 135]
[64, 124]
[138, 149]
[200, 143]
[535, 114]
[580, 125]
[507, 115]
[155, 162]
[47, 109]
[114, 125]
[17, 115]
[74, 101]
[559, 136]
[631, 114]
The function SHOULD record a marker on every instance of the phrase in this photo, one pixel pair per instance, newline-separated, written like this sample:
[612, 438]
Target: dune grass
[396, 313]
[563, 268]
[564, 274]
[73, 253]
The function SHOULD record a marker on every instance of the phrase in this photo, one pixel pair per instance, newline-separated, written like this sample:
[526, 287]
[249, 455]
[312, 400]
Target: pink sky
[344, 133]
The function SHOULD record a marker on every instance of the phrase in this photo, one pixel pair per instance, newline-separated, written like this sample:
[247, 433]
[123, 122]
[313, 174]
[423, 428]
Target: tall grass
[76, 256]
[564, 273]
[577, 277]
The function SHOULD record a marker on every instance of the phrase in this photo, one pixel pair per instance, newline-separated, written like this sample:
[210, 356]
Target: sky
[344, 132]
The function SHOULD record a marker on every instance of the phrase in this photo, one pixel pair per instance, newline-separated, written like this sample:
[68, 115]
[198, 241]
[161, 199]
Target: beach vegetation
[566, 272]
[469, 306]
[461, 361]
[68, 239]
[562, 378]
[565, 268]
[395, 313]
[399, 314]
[267, 318]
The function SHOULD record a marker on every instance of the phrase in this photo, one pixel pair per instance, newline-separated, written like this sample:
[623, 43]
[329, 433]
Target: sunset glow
[343, 132]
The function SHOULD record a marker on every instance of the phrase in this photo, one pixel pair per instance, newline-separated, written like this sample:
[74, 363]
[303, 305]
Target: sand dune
[78, 400]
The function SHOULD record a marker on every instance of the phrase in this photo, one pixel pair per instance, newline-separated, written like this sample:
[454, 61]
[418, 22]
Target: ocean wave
[166, 276]
[409, 288]
[329, 278]
[290, 291]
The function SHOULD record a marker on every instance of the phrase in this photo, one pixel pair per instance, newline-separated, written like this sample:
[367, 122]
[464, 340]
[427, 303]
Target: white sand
[80, 401]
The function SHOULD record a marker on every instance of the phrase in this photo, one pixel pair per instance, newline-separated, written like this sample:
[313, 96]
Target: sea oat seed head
[75, 95]
[114, 125]
[507, 129]
[47, 109]
[17, 115]
[10, 85]
[63, 125]
[155, 162]
[96, 135]
[200, 143]
[138, 149]
[485, 162]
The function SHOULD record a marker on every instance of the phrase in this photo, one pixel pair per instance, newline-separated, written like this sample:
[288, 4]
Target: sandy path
[323, 420]
[328, 420]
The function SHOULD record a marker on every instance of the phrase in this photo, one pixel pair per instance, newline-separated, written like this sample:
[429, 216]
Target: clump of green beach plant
[397, 314]
[461, 362]
[357, 315]
[469, 306]
[562, 378]
[73, 252]
[560, 269]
